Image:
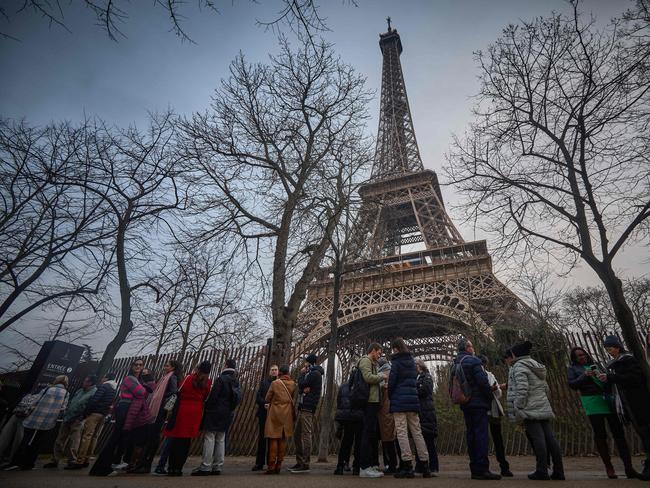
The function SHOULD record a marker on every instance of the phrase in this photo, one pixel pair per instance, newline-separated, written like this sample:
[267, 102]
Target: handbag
[173, 398]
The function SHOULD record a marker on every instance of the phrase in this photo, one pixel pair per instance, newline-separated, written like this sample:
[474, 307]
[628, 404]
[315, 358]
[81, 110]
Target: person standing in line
[69, 435]
[310, 385]
[428, 420]
[528, 401]
[405, 407]
[48, 406]
[110, 457]
[166, 388]
[185, 420]
[495, 414]
[387, 431]
[595, 397]
[367, 373]
[350, 421]
[94, 414]
[260, 399]
[218, 414]
[632, 398]
[137, 425]
[12, 431]
[475, 411]
[280, 419]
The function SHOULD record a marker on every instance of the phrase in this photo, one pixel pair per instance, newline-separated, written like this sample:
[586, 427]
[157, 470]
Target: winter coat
[496, 409]
[402, 389]
[368, 370]
[387, 430]
[481, 391]
[260, 397]
[218, 412]
[139, 413]
[48, 407]
[344, 411]
[102, 400]
[584, 384]
[189, 409]
[281, 413]
[528, 390]
[428, 420]
[312, 379]
[78, 404]
[625, 372]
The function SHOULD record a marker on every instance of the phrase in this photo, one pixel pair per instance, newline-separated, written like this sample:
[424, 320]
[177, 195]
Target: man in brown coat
[280, 419]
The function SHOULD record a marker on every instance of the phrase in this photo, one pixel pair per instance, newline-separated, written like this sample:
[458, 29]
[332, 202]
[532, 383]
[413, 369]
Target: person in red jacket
[185, 420]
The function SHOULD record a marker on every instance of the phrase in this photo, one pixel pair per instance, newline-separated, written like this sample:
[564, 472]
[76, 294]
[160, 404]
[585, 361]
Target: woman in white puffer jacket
[528, 401]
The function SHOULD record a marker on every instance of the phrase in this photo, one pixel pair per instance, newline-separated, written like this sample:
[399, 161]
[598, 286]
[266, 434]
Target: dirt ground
[584, 472]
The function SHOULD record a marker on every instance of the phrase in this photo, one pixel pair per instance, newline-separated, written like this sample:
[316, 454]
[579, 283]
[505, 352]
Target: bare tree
[134, 175]
[259, 157]
[557, 160]
[111, 15]
[53, 234]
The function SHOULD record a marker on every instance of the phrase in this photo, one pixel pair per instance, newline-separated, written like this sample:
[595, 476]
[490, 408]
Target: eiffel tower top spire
[397, 149]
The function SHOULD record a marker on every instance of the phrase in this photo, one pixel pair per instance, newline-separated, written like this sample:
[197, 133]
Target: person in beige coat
[280, 419]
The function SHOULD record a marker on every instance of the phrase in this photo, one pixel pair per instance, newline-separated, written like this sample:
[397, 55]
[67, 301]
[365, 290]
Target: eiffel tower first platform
[429, 296]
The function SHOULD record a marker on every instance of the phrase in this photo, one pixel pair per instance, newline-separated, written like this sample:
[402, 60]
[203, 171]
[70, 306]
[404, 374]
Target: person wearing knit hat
[632, 396]
[528, 402]
[310, 385]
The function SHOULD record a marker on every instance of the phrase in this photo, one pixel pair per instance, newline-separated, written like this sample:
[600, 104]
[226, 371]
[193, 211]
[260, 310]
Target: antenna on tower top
[388, 20]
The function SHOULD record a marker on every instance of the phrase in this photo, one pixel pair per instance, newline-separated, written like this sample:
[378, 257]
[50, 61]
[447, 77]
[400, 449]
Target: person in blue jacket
[405, 407]
[475, 411]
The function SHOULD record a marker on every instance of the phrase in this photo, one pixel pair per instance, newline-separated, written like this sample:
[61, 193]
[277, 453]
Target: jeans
[164, 453]
[302, 436]
[214, 449]
[67, 441]
[497, 440]
[476, 425]
[430, 441]
[544, 443]
[10, 437]
[91, 430]
[260, 458]
[351, 440]
[406, 422]
[369, 450]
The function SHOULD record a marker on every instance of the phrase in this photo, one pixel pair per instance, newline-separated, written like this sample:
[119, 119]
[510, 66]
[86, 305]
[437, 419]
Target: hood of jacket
[537, 368]
[317, 368]
[384, 367]
[111, 383]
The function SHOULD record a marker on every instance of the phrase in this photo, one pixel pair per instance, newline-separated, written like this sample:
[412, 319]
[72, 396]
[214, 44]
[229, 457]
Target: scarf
[155, 399]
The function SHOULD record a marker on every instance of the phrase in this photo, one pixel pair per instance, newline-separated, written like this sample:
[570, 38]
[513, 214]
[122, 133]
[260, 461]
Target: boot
[603, 450]
[405, 470]
[270, 469]
[626, 457]
[278, 467]
[426, 470]
[134, 462]
[339, 470]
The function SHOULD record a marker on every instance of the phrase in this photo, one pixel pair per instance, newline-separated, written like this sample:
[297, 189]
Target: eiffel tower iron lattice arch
[428, 296]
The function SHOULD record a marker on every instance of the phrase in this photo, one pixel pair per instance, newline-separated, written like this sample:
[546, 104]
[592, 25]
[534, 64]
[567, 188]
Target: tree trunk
[126, 326]
[625, 317]
[329, 404]
[281, 348]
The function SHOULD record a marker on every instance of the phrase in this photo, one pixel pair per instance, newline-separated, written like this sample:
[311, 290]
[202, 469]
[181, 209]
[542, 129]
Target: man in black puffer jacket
[405, 406]
[310, 385]
[351, 422]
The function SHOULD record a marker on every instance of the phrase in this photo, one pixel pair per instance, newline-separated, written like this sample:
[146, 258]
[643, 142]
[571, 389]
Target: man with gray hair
[475, 410]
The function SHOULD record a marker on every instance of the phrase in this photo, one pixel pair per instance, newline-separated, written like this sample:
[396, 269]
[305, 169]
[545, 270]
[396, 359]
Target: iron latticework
[427, 295]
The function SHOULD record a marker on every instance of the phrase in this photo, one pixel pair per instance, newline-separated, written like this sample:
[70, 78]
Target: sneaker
[159, 471]
[200, 472]
[506, 473]
[339, 470]
[51, 465]
[303, 468]
[295, 466]
[434, 474]
[558, 476]
[113, 473]
[13, 467]
[369, 473]
[119, 466]
[215, 472]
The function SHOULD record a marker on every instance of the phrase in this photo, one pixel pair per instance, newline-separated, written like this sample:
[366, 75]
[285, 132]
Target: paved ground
[581, 473]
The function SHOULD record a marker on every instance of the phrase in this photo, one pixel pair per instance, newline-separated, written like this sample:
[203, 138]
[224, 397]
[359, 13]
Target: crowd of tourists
[384, 404]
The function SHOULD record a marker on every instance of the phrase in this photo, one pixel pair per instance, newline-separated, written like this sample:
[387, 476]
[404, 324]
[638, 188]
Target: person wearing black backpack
[475, 410]
[350, 421]
[217, 417]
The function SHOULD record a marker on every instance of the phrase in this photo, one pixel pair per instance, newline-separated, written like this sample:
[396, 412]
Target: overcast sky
[52, 74]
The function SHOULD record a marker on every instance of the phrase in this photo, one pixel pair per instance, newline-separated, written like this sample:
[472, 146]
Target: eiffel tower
[431, 295]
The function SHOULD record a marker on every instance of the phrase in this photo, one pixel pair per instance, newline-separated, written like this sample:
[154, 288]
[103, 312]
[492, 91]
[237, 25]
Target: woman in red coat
[185, 421]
